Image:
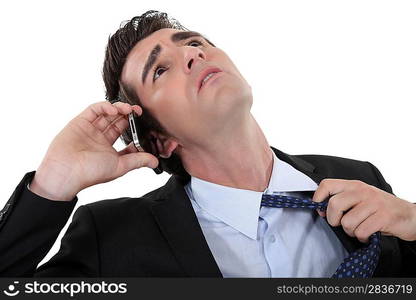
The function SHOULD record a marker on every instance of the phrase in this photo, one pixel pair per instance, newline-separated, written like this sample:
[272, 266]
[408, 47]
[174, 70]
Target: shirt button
[272, 239]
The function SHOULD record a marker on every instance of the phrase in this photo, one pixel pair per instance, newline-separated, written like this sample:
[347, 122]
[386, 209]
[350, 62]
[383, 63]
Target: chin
[236, 96]
[232, 104]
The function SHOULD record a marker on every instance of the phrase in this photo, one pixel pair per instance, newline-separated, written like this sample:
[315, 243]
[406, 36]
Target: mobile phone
[135, 137]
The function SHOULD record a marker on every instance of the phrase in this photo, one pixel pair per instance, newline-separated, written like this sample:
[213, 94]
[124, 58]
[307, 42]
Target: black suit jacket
[154, 235]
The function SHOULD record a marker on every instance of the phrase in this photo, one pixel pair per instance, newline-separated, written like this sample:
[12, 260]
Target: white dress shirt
[247, 240]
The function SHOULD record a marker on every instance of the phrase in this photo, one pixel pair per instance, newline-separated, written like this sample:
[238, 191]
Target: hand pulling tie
[360, 263]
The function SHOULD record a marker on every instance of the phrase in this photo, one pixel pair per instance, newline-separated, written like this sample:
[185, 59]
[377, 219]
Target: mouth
[206, 75]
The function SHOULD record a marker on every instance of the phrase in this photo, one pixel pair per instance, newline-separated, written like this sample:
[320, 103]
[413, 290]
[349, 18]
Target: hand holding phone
[70, 164]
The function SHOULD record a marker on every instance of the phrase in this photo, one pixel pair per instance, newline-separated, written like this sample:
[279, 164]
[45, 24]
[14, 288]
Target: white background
[328, 77]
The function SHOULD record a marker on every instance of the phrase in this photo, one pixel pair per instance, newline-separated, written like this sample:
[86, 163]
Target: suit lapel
[179, 224]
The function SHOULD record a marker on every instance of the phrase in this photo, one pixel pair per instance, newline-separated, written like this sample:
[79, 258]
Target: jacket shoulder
[345, 168]
[123, 207]
[333, 161]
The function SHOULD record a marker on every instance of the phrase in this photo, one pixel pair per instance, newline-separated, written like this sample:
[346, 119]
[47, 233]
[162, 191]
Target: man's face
[171, 88]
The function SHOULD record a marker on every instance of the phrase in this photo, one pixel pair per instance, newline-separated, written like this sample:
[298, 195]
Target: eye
[195, 42]
[158, 71]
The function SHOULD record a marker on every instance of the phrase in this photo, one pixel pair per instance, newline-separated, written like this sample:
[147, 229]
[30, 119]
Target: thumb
[321, 213]
[136, 160]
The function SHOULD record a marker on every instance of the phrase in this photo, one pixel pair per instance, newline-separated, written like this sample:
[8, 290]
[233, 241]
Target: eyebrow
[176, 37]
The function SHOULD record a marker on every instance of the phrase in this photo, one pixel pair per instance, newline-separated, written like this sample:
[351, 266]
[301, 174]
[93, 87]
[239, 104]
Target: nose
[192, 54]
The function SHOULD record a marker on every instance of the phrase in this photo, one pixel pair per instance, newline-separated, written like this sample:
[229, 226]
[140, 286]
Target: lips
[204, 74]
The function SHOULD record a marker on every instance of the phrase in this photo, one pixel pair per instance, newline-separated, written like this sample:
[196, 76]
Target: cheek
[170, 105]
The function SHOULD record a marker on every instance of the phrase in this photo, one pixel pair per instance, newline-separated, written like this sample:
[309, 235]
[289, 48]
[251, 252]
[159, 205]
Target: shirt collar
[240, 208]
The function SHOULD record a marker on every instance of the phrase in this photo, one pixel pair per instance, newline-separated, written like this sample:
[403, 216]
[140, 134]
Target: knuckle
[325, 182]
[372, 190]
[98, 103]
[91, 106]
[333, 205]
[361, 233]
[116, 104]
[346, 223]
[357, 182]
[331, 220]
[360, 185]
[369, 193]
[141, 161]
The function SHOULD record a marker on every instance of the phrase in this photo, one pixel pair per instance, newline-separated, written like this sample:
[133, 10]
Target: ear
[165, 145]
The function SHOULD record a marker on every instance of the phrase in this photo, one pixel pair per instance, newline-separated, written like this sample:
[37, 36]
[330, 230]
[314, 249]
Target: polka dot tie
[360, 263]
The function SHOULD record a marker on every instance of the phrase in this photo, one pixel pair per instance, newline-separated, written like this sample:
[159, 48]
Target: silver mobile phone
[134, 132]
[135, 135]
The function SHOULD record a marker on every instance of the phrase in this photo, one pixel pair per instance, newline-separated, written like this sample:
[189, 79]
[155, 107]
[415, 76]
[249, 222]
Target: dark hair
[118, 47]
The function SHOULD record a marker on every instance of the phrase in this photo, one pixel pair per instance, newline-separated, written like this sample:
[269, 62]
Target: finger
[93, 111]
[321, 213]
[131, 148]
[115, 129]
[338, 205]
[330, 186]
[133, 161]
[353, 218]
[137, 109]
[370, 225]
[103, 121]
[123, 108]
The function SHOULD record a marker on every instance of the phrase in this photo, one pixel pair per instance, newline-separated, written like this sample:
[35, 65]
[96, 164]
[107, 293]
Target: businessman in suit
[206, 221]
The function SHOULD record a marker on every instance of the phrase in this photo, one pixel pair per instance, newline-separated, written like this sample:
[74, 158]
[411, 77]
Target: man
[194, 109]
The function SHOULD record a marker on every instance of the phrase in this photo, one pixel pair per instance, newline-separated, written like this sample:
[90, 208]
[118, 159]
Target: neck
[241, 158]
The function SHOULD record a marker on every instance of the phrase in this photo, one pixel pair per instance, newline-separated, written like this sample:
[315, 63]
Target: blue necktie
[360, 263]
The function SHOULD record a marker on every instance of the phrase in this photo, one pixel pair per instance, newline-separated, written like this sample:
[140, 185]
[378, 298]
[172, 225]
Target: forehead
[136, 58]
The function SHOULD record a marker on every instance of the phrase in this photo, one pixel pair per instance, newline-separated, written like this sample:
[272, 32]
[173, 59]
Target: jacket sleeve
[29, 226]
[407, 248]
